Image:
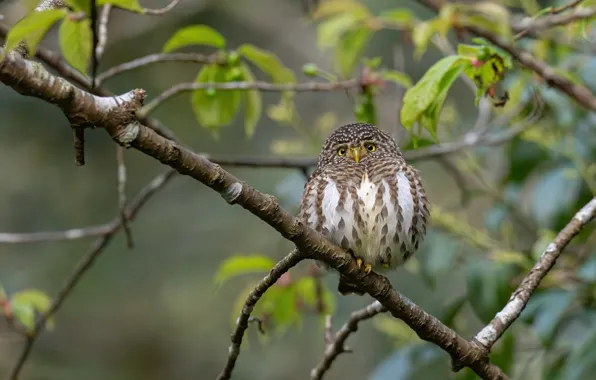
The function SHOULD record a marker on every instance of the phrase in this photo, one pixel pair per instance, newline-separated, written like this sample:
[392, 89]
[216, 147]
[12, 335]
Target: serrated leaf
[350, 48]
[32, 28]
[397, 77]
[253, 104]
[131, 5]
[26, 302]
[488, 287]
[214, 108]
[242, 264]
[76, 43]
[423, 102]
[194, 35]
[267, 62]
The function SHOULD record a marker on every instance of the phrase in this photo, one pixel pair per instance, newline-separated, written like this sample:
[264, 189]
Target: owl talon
[359, 262]
[367, 268]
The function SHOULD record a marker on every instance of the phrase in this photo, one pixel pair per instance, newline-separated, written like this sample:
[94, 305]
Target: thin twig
[555, 18]
[157, 58]
[336, 345]
[42, 237]
[122, 195]
[242, 324]
[493, 331]
[102, 34]
[163, 10]
[93, 17]
[232, 86]
[87, 261]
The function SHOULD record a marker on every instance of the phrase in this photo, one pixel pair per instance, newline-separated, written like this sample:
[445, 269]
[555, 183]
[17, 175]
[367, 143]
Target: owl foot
[367, 267]
[386, 263]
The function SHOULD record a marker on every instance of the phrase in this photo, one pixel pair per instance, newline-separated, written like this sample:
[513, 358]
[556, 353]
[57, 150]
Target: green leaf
[80, 5]
[397, 77]
[26, 302]
[267, 62]
[421, 35]
[214, 108]
[486, 15]
[131, 5]
[330, 31]
[242, 264]
[545, 312]
[32, 28]
[364, 109]
[402, 18]
[423, 102]
[350, 48]
[334, 7]
[194, 35]
[488, 287]
[76, 43]
[254, 104]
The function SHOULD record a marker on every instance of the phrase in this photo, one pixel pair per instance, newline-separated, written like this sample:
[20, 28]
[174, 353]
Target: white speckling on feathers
[373, 229]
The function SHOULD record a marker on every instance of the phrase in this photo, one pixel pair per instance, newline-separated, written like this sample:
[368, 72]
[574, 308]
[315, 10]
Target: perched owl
[364, 197]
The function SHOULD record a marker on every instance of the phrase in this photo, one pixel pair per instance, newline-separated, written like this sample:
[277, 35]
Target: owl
[366, 198]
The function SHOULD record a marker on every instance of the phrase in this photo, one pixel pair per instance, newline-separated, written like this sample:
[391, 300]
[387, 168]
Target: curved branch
[493, 331]
[161, 11]
[255, 295]
[262, 86]
[336, 346]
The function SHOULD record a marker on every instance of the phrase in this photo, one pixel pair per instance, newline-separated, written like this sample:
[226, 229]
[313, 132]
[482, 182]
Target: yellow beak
[354, 153]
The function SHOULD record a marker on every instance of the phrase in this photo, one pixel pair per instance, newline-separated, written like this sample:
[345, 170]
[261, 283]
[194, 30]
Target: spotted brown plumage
[365, 197]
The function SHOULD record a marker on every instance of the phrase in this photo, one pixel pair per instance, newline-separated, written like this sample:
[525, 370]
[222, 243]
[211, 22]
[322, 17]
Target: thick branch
[130, 133]
[493, 331]
[337, 344]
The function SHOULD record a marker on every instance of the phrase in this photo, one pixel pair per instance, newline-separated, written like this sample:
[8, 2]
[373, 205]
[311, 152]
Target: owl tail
[344, 287]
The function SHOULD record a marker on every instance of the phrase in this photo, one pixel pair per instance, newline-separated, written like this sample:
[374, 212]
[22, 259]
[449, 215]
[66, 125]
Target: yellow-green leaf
[350, 48]
[214, 108]
[80, 5]
[330, 31]
[421, 35]
[32, 28]
[76, 43]
[195, 35]
[397, 77]
[424, 100]
[334, 7]
[26, 302]
[402, 18]
[131, 5]
[267, 62]
[253, 104]
[242, 264]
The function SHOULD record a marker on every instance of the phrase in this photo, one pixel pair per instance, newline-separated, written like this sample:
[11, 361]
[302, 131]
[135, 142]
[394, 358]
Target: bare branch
[39, 237]
[493, 331]
[87, 261]
[157, 58]
[556, 18]
[102, 34]
[122, 194]
[262, 86]
[336, 346]
[163, 10]
[242, 323]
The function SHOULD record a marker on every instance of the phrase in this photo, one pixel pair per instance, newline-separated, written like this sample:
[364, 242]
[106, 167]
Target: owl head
[357, 143]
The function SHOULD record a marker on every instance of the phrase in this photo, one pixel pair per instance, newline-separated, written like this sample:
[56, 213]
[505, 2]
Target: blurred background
[153, 312]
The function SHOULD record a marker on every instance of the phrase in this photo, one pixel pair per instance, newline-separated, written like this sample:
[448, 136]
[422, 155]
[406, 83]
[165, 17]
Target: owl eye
[371, 147]
[341, 151]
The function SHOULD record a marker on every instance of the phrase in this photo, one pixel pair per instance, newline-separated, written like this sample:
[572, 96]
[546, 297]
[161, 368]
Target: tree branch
[38, 237]
[493, 331]
[579, 93]
[87, 261]
[556, 18]
[121, 125]
[336, 345]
